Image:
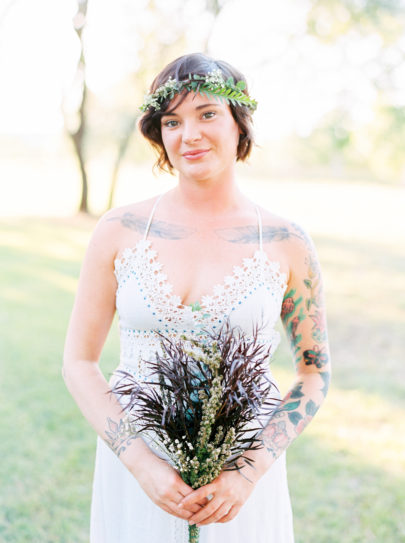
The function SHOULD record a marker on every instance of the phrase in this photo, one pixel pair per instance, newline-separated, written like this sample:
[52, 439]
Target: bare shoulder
[129, 215]
[123, 226]
[292, 239]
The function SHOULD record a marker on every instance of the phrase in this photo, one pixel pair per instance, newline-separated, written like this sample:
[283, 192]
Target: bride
[196, 255]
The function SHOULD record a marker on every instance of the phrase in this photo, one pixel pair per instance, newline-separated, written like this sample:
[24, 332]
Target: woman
[196, 255]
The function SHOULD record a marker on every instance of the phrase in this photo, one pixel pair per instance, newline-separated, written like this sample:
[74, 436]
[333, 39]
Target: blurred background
[329, 77]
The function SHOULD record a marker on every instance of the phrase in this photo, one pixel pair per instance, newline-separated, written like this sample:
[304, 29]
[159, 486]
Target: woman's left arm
[304, 318]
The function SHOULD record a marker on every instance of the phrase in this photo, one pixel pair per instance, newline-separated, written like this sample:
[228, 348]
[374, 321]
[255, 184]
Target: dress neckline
[217, 290]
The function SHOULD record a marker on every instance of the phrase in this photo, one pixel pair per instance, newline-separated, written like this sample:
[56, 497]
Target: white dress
[121, 512]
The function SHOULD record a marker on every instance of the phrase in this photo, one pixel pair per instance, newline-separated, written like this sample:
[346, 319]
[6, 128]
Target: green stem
[193, 534]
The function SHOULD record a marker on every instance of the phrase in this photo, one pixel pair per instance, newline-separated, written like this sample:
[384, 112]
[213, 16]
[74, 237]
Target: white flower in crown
[215, 78]
[161, 93]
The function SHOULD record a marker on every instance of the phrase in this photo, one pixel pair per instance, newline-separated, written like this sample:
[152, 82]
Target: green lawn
[346, 472]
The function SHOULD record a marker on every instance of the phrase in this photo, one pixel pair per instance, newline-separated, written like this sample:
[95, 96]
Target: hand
[230, 490]
[166, 488]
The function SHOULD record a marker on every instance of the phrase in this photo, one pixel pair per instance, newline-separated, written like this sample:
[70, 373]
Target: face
[200, 137]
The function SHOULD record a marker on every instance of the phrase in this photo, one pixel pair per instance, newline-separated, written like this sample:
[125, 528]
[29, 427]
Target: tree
[155, 54]
[160, 44]
[77, 129]
[331, 20]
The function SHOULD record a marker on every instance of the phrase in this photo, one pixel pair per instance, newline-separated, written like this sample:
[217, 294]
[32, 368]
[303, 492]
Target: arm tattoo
[290, 418]
[326, 380]
[318, 328]
[302, 235]
[159, 229]
[275, 438]
[119, 435]
[313, 282]
[291, 320]
[316, 356]
[313, 308]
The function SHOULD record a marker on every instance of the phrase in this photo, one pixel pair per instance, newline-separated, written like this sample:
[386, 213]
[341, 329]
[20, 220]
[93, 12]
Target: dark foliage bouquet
[205, 403]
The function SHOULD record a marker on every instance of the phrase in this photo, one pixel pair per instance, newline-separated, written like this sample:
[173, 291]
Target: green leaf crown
[212, 84]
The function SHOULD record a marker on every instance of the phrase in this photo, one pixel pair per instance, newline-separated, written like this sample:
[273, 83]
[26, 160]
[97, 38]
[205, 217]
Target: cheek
[233, 139]
[169, 141]
[234, 130]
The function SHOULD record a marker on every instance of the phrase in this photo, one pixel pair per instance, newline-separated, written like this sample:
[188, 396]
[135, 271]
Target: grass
[346, 472]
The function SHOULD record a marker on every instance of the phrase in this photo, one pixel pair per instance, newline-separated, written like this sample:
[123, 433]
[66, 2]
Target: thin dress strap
[151, 216]
[259, 224]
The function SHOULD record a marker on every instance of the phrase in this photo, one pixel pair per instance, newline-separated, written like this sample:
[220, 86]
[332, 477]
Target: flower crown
[212, 84]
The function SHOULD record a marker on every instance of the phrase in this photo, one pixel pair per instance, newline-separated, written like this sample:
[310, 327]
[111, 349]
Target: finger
[196, 506]
[222, 511]
[170, 504]
[173, 509]
[169, 509]
[231, 514]
[183, 488]
[193, 508]
[206, 511]
[198, 496]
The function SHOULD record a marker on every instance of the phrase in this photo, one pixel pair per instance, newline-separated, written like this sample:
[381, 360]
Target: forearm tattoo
[119, 436]
[291, 417]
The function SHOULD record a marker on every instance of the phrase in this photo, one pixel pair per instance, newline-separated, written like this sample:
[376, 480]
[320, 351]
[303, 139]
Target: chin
[201, 172]
[200, 177]
[197, 173]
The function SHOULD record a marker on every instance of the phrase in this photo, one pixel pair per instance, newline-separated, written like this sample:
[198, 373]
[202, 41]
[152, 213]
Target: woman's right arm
[90, 321]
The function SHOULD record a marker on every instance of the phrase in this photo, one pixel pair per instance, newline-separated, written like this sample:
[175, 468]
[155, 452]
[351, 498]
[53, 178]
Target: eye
[208, 114]
[170, 123]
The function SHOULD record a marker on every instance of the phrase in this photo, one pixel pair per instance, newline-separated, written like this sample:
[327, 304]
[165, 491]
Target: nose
[191, 132]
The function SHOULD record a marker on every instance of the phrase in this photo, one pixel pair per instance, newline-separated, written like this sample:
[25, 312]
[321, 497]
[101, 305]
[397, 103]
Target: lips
[195, 154]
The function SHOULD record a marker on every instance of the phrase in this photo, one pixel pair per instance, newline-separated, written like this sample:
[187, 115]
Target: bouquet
[205, 402]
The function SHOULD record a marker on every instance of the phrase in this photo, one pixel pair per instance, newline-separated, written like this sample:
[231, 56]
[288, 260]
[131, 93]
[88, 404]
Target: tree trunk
[123, 145]
[77, 136]
[78, 143]
[213, 7]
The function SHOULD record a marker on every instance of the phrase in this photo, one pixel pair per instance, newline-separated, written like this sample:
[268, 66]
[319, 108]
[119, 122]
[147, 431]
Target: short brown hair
[179, 69]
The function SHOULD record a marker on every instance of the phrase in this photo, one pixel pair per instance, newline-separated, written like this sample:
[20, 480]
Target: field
[346, 472]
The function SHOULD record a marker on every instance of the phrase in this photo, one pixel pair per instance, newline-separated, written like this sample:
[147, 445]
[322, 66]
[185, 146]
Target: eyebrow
[202, 106]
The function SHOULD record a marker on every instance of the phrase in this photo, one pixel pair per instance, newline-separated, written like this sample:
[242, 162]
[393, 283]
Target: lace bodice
[251, 295]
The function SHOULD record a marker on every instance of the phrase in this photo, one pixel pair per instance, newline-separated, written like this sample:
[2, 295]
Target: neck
[207, 200]
[208, 197]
